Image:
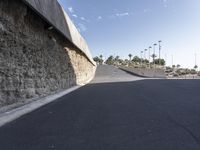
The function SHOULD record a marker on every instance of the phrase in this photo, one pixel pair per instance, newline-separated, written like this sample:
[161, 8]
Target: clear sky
[120, 27]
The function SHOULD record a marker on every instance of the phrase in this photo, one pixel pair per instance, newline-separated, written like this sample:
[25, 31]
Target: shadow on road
[142, 115]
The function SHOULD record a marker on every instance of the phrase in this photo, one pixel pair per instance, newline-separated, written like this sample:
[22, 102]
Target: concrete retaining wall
[55, 15]
[35, 61]
[145, 72]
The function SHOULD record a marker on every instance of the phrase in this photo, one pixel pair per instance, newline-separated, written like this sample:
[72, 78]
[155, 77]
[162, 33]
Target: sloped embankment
[145, 72]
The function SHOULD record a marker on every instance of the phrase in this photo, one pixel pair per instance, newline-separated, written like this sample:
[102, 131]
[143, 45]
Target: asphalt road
[130, 115]
[106, 74]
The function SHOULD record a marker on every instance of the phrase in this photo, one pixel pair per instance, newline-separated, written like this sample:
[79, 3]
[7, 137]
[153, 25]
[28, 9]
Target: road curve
[106, 73]
[135, 115]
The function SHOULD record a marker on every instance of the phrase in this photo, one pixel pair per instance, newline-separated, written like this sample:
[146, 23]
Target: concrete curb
[16, 113]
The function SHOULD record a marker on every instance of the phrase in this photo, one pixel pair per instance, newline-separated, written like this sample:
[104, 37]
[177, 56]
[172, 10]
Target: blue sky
[130, 26]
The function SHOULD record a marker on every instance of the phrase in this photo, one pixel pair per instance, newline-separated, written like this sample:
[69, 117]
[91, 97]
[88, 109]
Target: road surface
[135, 114]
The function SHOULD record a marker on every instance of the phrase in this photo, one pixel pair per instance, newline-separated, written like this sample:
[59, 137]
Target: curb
[16, 113]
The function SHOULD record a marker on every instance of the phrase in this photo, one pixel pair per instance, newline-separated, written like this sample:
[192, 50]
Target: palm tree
[153, 56]
[116, 60]
[130, 56]
[101, 58]
[141, 57]
[195, 67]
[110, 60]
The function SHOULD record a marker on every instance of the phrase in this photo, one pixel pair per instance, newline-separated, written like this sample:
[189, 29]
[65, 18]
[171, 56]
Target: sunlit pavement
[112, 114]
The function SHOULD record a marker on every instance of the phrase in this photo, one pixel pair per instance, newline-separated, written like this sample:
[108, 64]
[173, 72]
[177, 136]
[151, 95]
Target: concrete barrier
[145, 72]
[54, 14]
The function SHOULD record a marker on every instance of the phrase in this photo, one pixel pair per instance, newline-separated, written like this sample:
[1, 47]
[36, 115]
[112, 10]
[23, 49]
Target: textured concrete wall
[51, 11]
[35, 61]
[145, 72]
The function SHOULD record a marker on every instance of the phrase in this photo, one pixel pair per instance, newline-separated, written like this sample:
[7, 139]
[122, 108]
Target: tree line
[132, 61]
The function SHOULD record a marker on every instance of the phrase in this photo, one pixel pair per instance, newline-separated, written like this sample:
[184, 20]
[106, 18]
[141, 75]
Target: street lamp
[141, 57]
[154, 48]
[196, 66]
[150, 56]
[195, 59]
[145, 53]
[159, 50]
[154, 55]
[145, 57]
